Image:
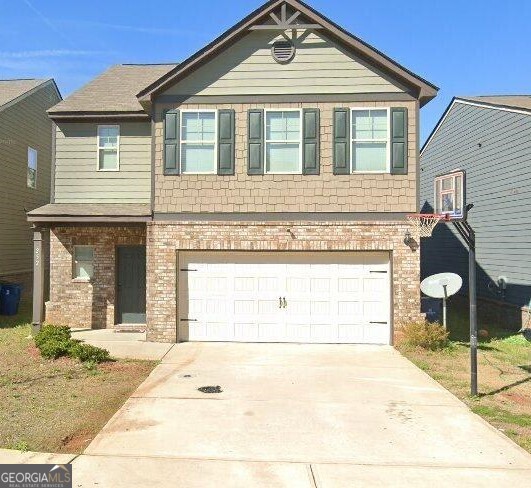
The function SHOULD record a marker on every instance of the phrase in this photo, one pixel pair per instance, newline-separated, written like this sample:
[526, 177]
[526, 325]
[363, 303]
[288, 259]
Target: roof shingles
[12, 89]
[113, 91]
[522, 102]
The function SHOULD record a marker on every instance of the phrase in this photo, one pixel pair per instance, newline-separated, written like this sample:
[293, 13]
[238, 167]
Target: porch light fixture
[407, 238]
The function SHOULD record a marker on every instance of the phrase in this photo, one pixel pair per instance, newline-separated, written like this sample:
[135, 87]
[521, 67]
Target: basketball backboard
[450, 195]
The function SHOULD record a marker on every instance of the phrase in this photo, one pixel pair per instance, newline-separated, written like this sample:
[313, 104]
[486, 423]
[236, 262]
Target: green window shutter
[341, 161]
[311, 141]
[171, 142]
[226, 142]
[255, 146]
[399, 141]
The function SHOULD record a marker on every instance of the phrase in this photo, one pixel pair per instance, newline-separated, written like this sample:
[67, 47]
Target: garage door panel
[299, 332]
[350, 333]
[349, 285]
[329, 297]
[245, 307]
[272, 332]
[246, 332]
[245, 284]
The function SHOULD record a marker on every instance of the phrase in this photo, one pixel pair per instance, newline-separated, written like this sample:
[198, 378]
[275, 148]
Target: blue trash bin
[10, 299]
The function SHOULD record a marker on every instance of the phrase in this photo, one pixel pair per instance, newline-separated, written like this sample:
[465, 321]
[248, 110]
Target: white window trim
[439, 179]
[266, 141]
[74, 260]
[352, 140]
[99, 147]
[182, 142]
[36, 167]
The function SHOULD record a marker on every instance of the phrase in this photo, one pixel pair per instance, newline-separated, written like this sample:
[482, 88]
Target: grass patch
[56, 405]
[504, 373]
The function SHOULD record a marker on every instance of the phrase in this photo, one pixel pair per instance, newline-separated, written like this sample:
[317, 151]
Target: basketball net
[425, 223]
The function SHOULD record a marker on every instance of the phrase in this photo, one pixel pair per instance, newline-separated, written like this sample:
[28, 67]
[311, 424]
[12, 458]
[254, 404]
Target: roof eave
[90, 115]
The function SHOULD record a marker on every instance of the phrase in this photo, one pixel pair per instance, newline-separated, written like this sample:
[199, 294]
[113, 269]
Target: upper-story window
[32, 168]
[198, 141]
[108, 147]
[370, 140]
[283, 141]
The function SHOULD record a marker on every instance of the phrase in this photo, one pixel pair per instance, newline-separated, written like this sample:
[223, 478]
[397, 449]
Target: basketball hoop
[425, 223]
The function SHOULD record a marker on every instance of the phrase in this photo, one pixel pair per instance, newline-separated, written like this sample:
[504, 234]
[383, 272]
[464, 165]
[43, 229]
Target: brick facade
[82, 303]
[325, 192]
[165, 240]
[92, 304]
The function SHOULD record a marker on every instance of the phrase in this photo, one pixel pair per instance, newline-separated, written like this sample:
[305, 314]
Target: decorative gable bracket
[282, 22]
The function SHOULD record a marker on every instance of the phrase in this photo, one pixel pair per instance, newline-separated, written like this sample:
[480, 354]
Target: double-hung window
[198, 141]
[370, 134]
[83, 262]
[108, 147]
[32, 168]
[283, 141]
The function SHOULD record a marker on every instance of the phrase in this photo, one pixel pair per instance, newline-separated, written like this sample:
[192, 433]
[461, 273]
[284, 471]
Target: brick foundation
[165, 240]
[86, 304]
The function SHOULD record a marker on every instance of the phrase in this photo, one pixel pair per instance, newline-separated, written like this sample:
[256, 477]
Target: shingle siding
[325, 192]
[494, 147]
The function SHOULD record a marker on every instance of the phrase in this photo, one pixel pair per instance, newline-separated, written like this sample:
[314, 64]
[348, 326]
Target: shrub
[54, 348]
[55, 342]
[52, 332]
[426, 335]
[88, 353]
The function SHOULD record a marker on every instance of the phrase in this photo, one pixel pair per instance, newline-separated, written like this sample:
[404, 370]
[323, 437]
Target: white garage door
[320, 297]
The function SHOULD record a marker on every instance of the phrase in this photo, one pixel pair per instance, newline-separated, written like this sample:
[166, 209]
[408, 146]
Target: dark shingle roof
[522, 102]
[12, 89]
[114, 90]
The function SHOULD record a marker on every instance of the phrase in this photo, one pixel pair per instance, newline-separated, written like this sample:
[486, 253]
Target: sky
[466, 47]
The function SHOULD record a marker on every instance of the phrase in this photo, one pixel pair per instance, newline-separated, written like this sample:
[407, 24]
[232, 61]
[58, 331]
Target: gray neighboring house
[26, 159]
[490, 138]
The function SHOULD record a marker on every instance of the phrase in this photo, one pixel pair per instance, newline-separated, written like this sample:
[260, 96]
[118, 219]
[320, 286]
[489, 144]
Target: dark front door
[131, 278]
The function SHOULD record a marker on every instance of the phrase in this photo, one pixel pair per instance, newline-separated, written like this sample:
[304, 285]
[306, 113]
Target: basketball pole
[468, 234]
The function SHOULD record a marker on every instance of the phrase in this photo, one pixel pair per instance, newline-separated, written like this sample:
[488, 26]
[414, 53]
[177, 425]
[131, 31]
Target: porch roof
[95, 212]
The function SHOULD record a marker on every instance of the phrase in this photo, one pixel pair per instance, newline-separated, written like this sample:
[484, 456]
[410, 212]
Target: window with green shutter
[199, 142]
[370, 140]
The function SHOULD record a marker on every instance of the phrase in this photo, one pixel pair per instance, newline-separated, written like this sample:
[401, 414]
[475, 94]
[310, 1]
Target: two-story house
[25, 160]
[257, 191]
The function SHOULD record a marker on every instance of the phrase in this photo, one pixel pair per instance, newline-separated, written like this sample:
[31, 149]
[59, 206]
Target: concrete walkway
[11, 456]
[123, 345]
[296, 416]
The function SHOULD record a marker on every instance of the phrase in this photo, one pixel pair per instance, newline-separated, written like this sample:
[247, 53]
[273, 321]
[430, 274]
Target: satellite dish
[441, 285]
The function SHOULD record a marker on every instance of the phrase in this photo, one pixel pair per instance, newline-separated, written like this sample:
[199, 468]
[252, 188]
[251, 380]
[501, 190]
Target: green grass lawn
[504, 373]
[56, 406]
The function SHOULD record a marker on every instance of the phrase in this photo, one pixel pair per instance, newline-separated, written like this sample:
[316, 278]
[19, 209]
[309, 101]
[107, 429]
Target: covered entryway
[131, 284]
[303, 297]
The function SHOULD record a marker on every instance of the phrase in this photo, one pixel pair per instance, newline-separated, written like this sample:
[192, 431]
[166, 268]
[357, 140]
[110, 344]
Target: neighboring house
[25, 159]
[255, 192]
[490, 138]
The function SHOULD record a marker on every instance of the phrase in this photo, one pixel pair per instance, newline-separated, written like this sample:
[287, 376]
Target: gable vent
[283, 51]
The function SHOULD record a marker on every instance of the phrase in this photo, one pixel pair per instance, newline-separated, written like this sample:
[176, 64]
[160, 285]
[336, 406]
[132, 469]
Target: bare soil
[56, 406]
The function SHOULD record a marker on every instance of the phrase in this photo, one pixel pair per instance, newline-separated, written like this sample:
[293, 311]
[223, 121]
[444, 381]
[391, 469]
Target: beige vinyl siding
[248, 68]
[77, 179]
[23, 124]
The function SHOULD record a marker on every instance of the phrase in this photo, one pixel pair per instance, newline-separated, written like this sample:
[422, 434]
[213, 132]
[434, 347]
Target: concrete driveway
[298, 416]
